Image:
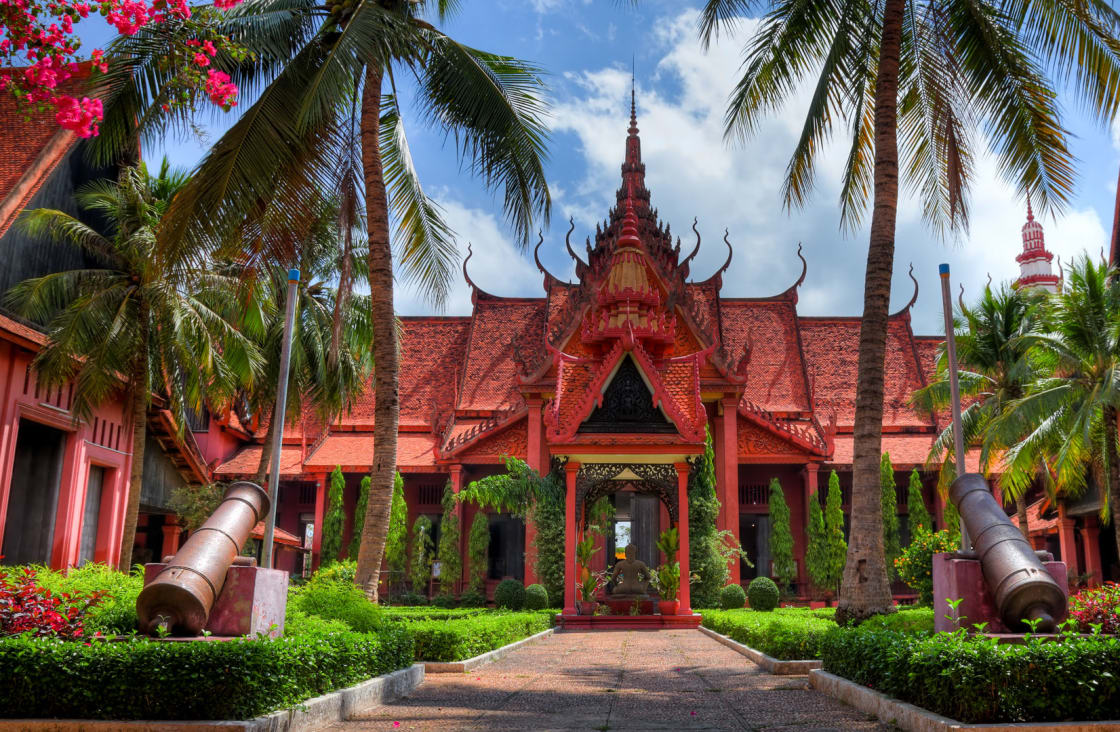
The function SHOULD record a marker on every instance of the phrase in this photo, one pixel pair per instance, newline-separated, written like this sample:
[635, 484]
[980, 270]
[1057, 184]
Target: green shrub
[906, 620]
[409, 599]
[331, 544]
[536, 597]
[732, 597]
[781, 537]
[409, 614]
[472, 598]
[705, 558]
[116, 613]
[298, 624]
[763, 594]
[338, 601]
[478, 551]
[509, 594]
[358, 523]
[420, 568]
[446, 640]
[445, 600]
[915, 565]
[916, 506]
[888, 506]
[341, 572]
[143, 679]
[976, 680]
[451, 561]
[785, 633]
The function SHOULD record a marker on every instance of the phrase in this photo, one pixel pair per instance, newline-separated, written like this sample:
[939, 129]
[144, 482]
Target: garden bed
[442, 640]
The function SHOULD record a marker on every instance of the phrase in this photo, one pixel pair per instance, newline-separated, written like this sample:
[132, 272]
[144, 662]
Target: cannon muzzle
[1022, 588]
[182, 595]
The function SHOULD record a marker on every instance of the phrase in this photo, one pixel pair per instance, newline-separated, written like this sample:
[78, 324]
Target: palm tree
[995, 369]
[939, 72]
[328, 116]
[331, 339]
[1073, 406]
[145, 320]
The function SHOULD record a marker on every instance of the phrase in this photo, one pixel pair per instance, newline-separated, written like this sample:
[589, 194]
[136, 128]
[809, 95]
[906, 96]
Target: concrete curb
[916, 719]
[768, 663]
[458, 667]
[312, 714]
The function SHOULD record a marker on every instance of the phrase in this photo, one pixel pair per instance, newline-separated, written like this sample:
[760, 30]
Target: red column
[456, 486]
[538, 462]
[1090, 539]
[809, 492]
[570, 471]
[729, 476]
[171, 531]
[320, 511]
[1066, 542]
[682, 524]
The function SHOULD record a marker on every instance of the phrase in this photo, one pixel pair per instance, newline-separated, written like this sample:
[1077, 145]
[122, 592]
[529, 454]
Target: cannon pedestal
[958, 577]
[252, 600]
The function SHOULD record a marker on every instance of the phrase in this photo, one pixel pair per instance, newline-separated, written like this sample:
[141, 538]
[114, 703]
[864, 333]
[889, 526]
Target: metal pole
[278, 414]
[954, 388]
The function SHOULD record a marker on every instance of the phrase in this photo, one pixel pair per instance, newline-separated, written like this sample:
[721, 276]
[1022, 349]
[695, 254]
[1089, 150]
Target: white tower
[1034, 262]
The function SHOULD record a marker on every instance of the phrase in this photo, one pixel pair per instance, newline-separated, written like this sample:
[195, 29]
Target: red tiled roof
[1036, 524]
[832, 356]
[245, 462]
[351, 450]
[489, 379]
[766, 331]
[30, 148]
[907, 451]
[279, 536]
[20, 333]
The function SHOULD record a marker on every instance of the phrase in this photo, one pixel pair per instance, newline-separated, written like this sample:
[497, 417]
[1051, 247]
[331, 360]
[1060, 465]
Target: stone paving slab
[624, 680]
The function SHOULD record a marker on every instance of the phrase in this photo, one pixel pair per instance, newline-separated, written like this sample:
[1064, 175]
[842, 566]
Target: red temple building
[615, 380]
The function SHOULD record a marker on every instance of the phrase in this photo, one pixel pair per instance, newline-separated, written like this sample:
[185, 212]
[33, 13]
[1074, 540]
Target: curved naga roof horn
[960, 297]
[914, 298]
[537, 258]
[726, 264]
[568, 241]
[476, 288]
[696, 249]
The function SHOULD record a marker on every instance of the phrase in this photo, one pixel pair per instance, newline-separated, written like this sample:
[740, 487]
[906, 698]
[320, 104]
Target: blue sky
[586, 47]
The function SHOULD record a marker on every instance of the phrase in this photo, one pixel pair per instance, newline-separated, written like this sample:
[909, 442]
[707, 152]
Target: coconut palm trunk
[385, 347]
[266, 455]
[865, 589]
[1112, 457]
[139, 392]
[1021, 512]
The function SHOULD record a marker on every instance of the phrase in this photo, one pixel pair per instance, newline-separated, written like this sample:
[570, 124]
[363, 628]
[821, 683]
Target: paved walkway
[626, 680]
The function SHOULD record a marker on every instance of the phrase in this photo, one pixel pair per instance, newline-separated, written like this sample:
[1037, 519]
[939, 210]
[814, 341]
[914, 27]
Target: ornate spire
[1034, 261]
[633, 170]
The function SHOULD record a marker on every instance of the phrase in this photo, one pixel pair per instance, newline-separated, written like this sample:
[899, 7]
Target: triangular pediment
[627, 405]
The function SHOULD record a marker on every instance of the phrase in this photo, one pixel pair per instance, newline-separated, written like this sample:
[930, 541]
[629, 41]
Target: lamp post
[278, 414]
[954, 388]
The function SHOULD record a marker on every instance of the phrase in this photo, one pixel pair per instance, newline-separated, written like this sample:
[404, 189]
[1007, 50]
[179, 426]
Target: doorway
[754, 535]
[33, 497]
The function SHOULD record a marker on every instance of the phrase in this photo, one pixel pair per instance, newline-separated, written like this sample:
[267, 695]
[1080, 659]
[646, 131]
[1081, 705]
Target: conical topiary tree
[916, 507]
[889, 505]
[781, 537]
[422, 547]
[478, 551]
[359, 519]
[451, 561]
[396, 543]
[836, 546]
[816, 556]
[331, 545]
[951, 521]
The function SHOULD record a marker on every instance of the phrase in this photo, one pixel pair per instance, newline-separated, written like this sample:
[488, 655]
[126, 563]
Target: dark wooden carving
[627, 406]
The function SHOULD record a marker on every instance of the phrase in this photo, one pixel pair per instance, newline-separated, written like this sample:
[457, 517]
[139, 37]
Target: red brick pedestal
[252, 600]
[958, 578]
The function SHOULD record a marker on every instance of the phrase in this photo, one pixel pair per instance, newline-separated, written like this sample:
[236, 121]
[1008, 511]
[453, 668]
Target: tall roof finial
[633, 99]
[1030, 213]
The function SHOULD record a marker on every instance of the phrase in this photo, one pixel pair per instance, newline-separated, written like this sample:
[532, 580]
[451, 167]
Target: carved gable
[627, 406]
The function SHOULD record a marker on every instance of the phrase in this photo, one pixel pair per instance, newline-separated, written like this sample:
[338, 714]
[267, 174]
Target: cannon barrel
[181, 596]
[1021, 586]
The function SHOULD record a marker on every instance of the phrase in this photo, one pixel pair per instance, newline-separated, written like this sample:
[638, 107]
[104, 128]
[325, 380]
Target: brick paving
[624, 680]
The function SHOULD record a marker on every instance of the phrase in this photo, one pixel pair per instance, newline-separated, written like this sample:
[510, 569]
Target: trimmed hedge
[978, 681]
[143, 679]
[459, 639]
[786, 633]
[426, 612]
[906, 620]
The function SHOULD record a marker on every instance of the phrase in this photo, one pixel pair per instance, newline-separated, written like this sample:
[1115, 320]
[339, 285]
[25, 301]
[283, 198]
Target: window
[91, 515]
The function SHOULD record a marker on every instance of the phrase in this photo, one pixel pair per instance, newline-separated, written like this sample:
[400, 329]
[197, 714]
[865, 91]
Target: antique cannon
[182, 595]
[1022, 588]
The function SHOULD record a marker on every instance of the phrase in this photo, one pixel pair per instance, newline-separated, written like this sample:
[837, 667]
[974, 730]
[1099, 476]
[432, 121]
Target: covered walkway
[626, 680]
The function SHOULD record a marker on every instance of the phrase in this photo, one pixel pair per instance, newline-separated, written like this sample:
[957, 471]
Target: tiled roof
[245, 462]
[832, 356]
[766, 331]
[28, 157]
[907, 451]
[356, 451]
[15, 330]
[489, 379]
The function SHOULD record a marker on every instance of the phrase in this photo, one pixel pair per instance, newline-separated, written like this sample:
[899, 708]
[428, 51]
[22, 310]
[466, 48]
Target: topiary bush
[472, 598]
[536, 597]
[763, 594]
[510, 594]
[785, 633]
[410, 599]
[444, 600]
[732, 597]
[337, 601]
